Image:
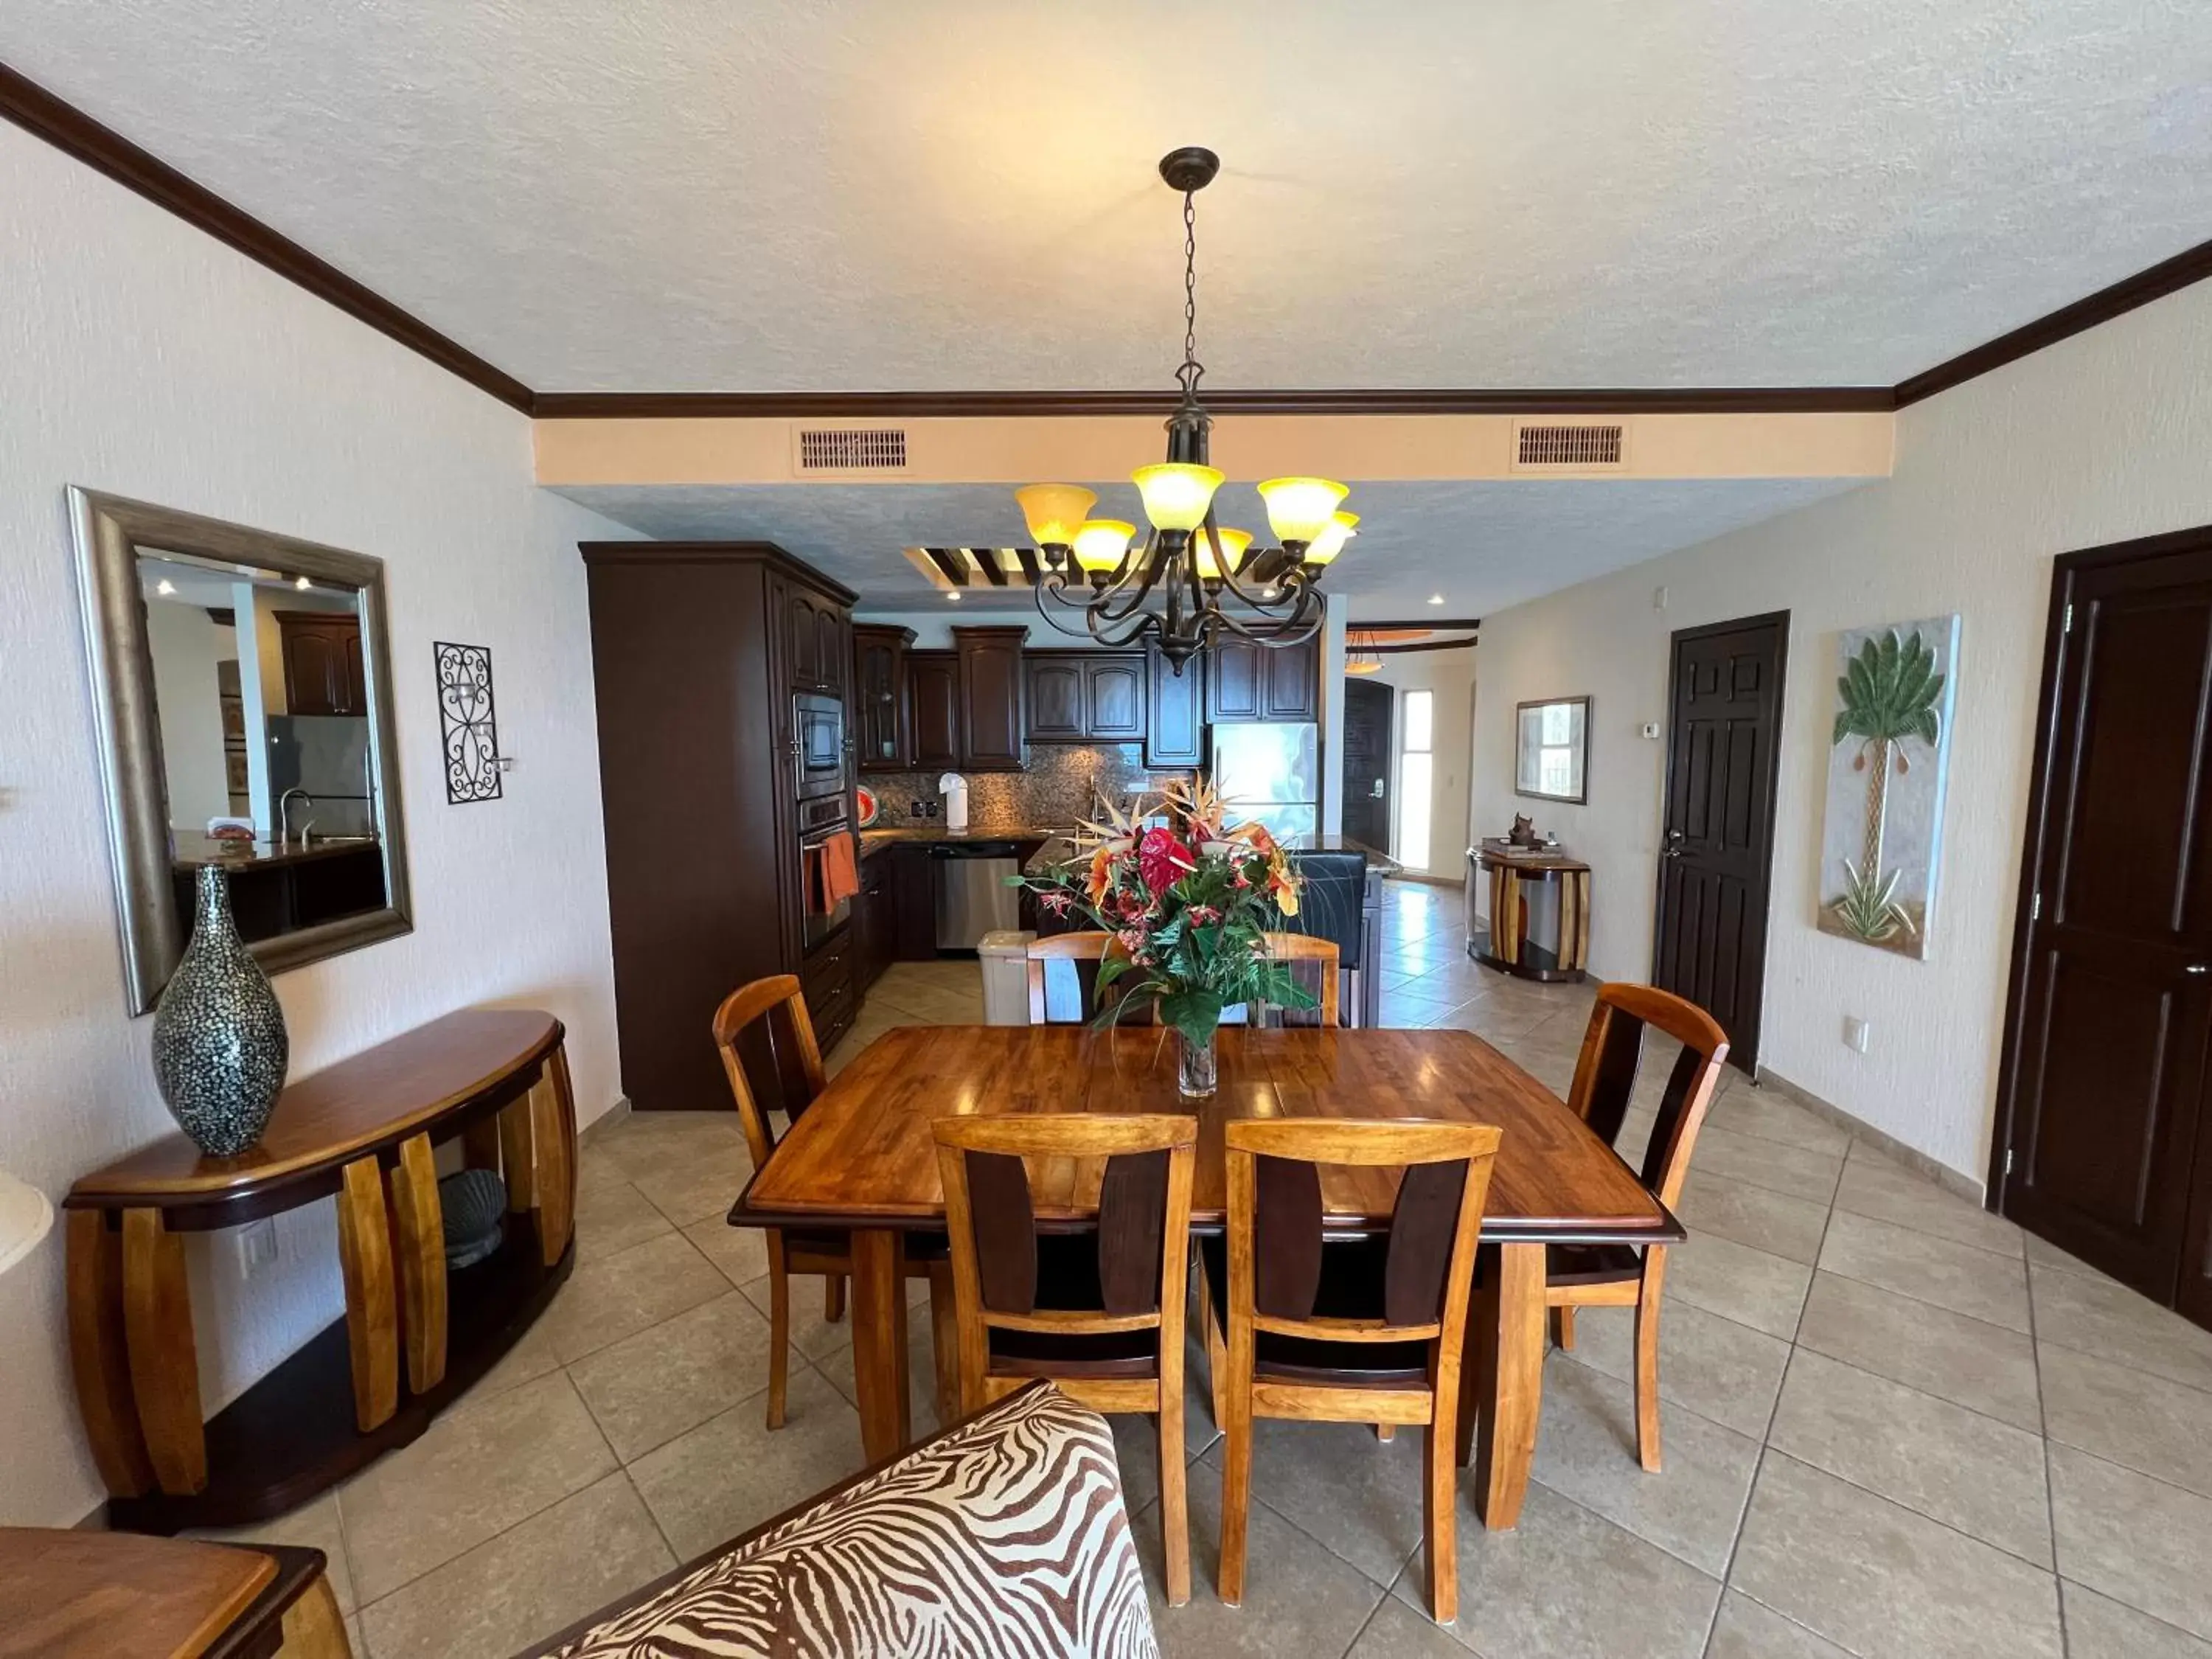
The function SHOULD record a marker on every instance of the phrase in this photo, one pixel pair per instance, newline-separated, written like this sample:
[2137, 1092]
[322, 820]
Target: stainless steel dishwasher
[972, 898]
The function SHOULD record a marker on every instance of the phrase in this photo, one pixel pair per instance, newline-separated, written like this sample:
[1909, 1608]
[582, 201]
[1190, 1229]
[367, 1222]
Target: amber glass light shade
[1177, 492]
[1342, 528]
[1100, 543]
[1233, 543]
[1055, 512]
[1298, 509]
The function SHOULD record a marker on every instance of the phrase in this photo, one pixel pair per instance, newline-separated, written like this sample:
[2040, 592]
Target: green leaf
[1194, 1013]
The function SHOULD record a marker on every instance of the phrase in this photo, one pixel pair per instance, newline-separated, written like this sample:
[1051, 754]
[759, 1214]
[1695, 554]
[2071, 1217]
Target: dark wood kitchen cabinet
[875, 920]
[881, 726]
[1249, 682]
[816, 647]
[1175, 711]
[322, 662]
[1113, 697]
[1055, 693]
[932, 710]
[990, 706]
[1085, 696]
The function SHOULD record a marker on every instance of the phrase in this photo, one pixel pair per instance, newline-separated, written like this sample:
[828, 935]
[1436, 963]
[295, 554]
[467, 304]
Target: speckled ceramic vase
[219, 1048]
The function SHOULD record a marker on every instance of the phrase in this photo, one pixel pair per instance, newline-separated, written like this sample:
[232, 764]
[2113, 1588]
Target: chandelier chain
[1192, 368]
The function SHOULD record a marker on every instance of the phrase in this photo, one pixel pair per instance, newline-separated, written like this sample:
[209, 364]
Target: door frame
[1389, 759]
[1746, 1061]
[2034, 832]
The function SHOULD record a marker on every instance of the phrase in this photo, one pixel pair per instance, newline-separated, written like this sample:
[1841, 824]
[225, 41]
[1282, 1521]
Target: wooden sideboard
[1539, 912]
[414, 1336]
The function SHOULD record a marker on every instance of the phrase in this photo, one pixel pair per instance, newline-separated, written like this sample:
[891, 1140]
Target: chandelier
[1191, 580]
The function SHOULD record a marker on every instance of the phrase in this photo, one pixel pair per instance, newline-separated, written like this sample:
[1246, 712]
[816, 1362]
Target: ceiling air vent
[852, 449]
[1581, 444]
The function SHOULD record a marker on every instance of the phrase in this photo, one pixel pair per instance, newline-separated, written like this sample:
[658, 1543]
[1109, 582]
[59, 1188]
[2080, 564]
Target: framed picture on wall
[1551, 750]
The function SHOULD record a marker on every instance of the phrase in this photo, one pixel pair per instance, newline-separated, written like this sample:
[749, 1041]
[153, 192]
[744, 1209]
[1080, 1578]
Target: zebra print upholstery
[1005, 1534]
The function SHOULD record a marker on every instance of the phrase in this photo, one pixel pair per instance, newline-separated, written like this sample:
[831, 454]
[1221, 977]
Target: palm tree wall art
[1887, 766]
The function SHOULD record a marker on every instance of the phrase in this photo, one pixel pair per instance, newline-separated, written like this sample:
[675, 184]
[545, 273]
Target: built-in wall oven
[817, 745]
[820, 821]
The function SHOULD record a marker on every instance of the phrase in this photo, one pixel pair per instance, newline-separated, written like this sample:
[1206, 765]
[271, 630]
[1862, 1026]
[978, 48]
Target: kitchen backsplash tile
[1059, 788]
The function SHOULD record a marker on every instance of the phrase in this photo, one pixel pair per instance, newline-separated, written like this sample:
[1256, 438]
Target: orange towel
[841, 872]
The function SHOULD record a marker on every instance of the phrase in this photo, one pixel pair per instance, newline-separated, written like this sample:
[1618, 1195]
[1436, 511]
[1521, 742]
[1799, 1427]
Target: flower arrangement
[1189, 902]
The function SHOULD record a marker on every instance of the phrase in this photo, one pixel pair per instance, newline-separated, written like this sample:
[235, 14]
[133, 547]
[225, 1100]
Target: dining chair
[1098, 1310]
[1367, 1330]
[779, 1000]
[1624, 1275]
[1301, 948]
[1086, 949]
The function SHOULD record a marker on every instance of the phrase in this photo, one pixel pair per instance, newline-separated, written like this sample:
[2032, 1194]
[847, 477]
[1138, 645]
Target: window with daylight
[1416, 778]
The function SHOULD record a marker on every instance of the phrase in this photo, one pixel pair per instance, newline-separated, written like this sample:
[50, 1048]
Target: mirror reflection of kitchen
[265, 720]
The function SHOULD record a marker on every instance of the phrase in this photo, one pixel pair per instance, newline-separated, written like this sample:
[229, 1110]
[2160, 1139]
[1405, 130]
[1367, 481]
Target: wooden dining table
[861, 1157]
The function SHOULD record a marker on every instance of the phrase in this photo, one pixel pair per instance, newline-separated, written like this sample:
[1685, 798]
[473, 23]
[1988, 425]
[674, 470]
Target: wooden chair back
[1086, 950]
[1612, 1054]
[1144, 1225]
[779, 1000]
[1275, 1217]
[1305, 948]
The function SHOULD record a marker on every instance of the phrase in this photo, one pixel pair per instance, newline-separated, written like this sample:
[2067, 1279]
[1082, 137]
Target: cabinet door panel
[1235, 681]
[1174, 711]
[804, 645]
[1056, 691]
[934, 691]
[1113, 699]
[1293, 681]
[879, 698]
[990, 711]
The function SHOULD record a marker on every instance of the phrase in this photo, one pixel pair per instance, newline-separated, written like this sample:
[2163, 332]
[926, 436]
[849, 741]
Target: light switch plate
[1856, 1033]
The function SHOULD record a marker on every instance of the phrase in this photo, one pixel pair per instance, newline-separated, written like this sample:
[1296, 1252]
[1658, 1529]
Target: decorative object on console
[466, 716]
[1208, 583]
[220, 1047]
[1523, 832]
[1889, 761]
[1190, 904]
[474, 1205]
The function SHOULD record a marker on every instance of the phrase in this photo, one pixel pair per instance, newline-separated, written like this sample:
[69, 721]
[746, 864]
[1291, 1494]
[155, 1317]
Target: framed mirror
[1551, 752]
[241, 686]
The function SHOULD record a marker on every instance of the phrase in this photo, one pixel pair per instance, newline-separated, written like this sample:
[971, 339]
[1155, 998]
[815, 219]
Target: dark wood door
[1368, 708]
[933, 680]
[1293, 681]
[803, 642]
[878, 702]
[1114, 698]
[1235, 681]
[990, 734]
[1717, 837]
[1056, 689]
[832, 646]
[2100, 1150]
[1174, 711]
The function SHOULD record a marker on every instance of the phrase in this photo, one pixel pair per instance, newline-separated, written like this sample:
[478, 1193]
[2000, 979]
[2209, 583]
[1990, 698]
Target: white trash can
[1004, 957]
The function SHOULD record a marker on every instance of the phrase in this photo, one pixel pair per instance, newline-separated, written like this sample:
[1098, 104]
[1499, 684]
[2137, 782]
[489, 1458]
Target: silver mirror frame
[110, 530]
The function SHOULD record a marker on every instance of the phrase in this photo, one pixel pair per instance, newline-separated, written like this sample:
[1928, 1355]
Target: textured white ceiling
[1484, 545]
[889, 194]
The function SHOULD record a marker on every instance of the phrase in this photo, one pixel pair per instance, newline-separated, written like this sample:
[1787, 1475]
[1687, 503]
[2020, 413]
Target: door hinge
[2067, 625]
[2035, 910]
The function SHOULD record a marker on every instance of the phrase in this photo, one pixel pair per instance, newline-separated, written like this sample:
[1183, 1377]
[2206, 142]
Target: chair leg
[1175, 1507]
[1440, 1505]
[1563, 1328]
[833, 1297]
[1647, 1356]
[1386, 1432]
[779, 1331]
[945, 1341]
[1236, 1492]
[1216, 1355]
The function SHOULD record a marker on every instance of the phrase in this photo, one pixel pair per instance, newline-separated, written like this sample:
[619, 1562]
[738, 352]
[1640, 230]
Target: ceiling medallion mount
[1191, 580]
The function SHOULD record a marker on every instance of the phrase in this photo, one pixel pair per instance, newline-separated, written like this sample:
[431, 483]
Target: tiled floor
[1894, 1426]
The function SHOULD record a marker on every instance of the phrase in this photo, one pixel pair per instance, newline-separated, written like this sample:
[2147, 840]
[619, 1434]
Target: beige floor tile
[1737, 1282]
[645, 1140]
[741, 1253]
[2043, 1254]
[1797, 1170]
[733, 1472]
[611, 1216]
[1746, 1630]
[1299, 1598]
[314, 1525]
[2097, 1627]
[1725, 1372]
[2132, 1417]
[921, 1377]
[1766, 1117]
[812, 1334]
[1491, 1020]
[648, 1388]
[608, 1300]
[1586, 1451]
[1792, 1228]
[530, 1358]
[694, 1184]
[1567, 1583]
[474, 1473]
[1873, 1186]
[1927, 1268]
[1883, 1580]
[1398, 1631]
[1971, 1471]
[1357, 1497]
[2134, 1539]
[1969, 1361]
[2101, 1317]
[555, 1568]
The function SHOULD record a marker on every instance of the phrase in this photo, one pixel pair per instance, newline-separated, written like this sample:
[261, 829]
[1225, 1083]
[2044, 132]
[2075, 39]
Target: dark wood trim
[1028, 562]
[2063, 569]
[1352, 400]
[105, 150]
[643, 552]
[2167, 277]
[1401, 650]
[1361, 624]
[987, 557]
[954, 570]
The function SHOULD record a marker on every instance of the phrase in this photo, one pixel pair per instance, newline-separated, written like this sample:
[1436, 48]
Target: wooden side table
[81, 1595]
[1539, 912]
[364, 1132]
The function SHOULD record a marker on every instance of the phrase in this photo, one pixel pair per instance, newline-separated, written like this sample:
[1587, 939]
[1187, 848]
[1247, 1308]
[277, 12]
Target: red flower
[1056, 902]
[1163, 861]
[1202, 913]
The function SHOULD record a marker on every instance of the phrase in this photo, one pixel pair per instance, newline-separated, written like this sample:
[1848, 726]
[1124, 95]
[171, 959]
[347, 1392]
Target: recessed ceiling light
[953, 594]
[303, 583]
[165, 586]
[1435, 598]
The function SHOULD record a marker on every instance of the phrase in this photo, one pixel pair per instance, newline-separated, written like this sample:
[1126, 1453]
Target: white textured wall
[138, 356]
[185, 648]
[1450, 676]
[2105, 437]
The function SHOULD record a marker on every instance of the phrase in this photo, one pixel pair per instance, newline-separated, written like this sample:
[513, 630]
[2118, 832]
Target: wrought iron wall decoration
[465, 710]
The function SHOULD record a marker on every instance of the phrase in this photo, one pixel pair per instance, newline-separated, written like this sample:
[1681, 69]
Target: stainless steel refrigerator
[327, 756]
[1270, 771]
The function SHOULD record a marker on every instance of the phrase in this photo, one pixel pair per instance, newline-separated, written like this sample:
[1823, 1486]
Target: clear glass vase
[1194, 1070]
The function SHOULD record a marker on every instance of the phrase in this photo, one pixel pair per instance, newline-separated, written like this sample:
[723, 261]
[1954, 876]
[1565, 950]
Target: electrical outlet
[1650, 729]
[256, 1246]
[1856, 1032]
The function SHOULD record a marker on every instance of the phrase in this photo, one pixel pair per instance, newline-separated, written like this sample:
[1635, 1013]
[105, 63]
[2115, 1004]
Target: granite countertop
[885, 834]
[1059, 849]
[189, 852]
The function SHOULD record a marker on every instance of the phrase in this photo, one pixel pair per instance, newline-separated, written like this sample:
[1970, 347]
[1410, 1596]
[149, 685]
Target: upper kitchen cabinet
[1174, 711]
[880, 728]
[990, 724]
[1085, 696]
[933, 686]
[322, 663]
[815, 643]
[1249, 682]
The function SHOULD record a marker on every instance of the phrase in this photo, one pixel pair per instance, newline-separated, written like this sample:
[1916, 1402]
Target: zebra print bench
[1004, 1535]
